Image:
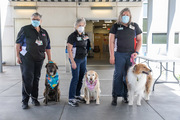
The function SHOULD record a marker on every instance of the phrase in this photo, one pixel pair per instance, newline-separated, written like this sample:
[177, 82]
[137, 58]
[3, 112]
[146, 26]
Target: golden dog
[92, 87]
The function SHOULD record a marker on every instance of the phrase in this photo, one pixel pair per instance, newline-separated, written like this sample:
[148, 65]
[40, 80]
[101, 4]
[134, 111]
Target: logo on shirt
[43, 34]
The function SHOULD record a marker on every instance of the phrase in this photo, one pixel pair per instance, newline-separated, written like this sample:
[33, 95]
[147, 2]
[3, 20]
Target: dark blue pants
[77, 78]
[122, 63]
[31, 72]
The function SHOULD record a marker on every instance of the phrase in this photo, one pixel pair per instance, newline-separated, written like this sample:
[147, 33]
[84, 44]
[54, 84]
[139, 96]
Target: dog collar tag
[137, 79]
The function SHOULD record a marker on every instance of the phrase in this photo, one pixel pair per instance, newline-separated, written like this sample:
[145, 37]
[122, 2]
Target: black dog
[52, 91]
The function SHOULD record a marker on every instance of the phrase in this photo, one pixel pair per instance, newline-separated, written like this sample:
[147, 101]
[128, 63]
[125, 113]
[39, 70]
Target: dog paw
[138, 103]
[146, 98]
[97, 102]
[87, 103]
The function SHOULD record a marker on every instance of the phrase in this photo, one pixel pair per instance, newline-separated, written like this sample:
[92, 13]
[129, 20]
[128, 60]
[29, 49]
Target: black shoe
[35, 102]
[25, 105]
[80, 99]
[125, 100]
[114, 101]
[73, 103]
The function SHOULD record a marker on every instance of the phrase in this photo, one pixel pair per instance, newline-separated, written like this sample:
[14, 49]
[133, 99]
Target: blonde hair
[121, 14]
[78, 21]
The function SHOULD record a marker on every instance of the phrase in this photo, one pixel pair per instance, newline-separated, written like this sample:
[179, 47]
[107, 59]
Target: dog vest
[52, 80]
[91, 86]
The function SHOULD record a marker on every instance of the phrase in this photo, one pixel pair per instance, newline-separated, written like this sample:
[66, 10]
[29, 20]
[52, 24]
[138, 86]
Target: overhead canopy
[77, 0]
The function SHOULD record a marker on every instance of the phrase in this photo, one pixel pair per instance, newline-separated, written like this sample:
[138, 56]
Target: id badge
[131, 27]
[120, 28]
[39, 42]
[79, 38]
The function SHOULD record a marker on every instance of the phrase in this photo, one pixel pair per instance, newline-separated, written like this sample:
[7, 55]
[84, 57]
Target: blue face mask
[35, 23]
[125, 19]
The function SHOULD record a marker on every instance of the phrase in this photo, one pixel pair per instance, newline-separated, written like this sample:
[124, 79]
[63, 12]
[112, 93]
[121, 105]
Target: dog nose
[150, 70]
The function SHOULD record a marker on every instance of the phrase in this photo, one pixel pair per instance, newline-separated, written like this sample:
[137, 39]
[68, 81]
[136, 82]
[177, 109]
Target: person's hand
[74, 65]
[112, 60]
[19, 60]
[134, 55]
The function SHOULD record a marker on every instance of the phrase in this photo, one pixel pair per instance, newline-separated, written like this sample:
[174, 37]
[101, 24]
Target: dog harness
[91, 86]
[52, 80]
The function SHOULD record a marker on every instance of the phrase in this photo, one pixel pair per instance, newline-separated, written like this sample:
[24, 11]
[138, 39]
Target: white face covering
[80, 29]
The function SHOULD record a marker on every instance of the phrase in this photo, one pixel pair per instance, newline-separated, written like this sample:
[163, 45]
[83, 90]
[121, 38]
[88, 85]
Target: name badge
[79, 38]
[120, 28]
[131, 27]
[39, 42]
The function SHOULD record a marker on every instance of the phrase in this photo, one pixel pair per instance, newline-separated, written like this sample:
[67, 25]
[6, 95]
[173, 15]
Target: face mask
[125, 19]
[35, 23]
[80, 29]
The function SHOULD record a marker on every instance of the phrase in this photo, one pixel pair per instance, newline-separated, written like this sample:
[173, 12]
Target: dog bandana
[91, 86]
[52, 80]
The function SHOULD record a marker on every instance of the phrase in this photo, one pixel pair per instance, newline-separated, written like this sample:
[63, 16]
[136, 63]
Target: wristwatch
[137, 52]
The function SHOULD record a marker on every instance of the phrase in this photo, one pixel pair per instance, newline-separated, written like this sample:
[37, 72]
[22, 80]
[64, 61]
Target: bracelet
[137, 52]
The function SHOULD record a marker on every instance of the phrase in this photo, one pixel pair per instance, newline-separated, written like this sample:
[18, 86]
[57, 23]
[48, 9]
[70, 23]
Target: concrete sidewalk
[163, 105]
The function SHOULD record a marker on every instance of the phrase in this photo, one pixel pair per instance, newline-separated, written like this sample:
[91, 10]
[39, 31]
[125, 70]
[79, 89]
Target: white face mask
[80, 29]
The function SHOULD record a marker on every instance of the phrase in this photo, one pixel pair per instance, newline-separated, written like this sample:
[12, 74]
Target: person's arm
[111, 47]
[48, 52]
[19, 43]
[139, 42]
[138, 45]
[18, 46]
[69, 48]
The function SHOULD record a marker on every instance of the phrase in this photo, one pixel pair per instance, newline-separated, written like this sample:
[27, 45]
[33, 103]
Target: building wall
[58, 19]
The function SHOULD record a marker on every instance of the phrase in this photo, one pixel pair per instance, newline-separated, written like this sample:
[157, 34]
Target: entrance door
[18, 24]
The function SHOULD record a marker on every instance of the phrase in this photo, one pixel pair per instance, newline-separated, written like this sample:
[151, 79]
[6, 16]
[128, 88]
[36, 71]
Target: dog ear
[96, 75]
[56, 66]
[135, 67]
[46, 65]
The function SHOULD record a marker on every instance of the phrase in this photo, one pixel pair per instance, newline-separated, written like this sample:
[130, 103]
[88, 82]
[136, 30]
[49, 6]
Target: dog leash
[132, 60]
[31, 95]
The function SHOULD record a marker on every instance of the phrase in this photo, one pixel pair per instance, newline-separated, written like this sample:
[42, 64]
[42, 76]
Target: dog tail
[149, 84]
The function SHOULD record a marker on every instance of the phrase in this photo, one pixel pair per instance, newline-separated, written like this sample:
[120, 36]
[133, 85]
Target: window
[144, 24]
[159, 38]
[144, 38]
[176, 38]
[145, 5]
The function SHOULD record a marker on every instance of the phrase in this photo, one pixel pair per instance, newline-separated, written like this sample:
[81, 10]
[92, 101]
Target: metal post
[170, 30]
[1, 70]
[149, 22]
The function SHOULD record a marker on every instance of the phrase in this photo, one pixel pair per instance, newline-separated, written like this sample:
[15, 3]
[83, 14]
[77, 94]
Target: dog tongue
[91, 82]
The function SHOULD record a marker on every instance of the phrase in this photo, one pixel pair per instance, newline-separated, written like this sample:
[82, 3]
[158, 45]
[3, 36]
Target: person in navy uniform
[76, 45]
[124, 43]
[31, 44]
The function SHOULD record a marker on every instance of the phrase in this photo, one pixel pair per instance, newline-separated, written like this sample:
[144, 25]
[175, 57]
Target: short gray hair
[78, 21]
[121, 14]
[36, 15]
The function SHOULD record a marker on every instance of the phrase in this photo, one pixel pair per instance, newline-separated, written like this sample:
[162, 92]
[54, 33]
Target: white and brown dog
[139, 81]
[92, 87]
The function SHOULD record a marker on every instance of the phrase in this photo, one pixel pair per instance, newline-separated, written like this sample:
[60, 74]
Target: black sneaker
[73, 103]
[25, 105]
[114, 101]
[80, 99]
[35, 102]
[125, 100]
